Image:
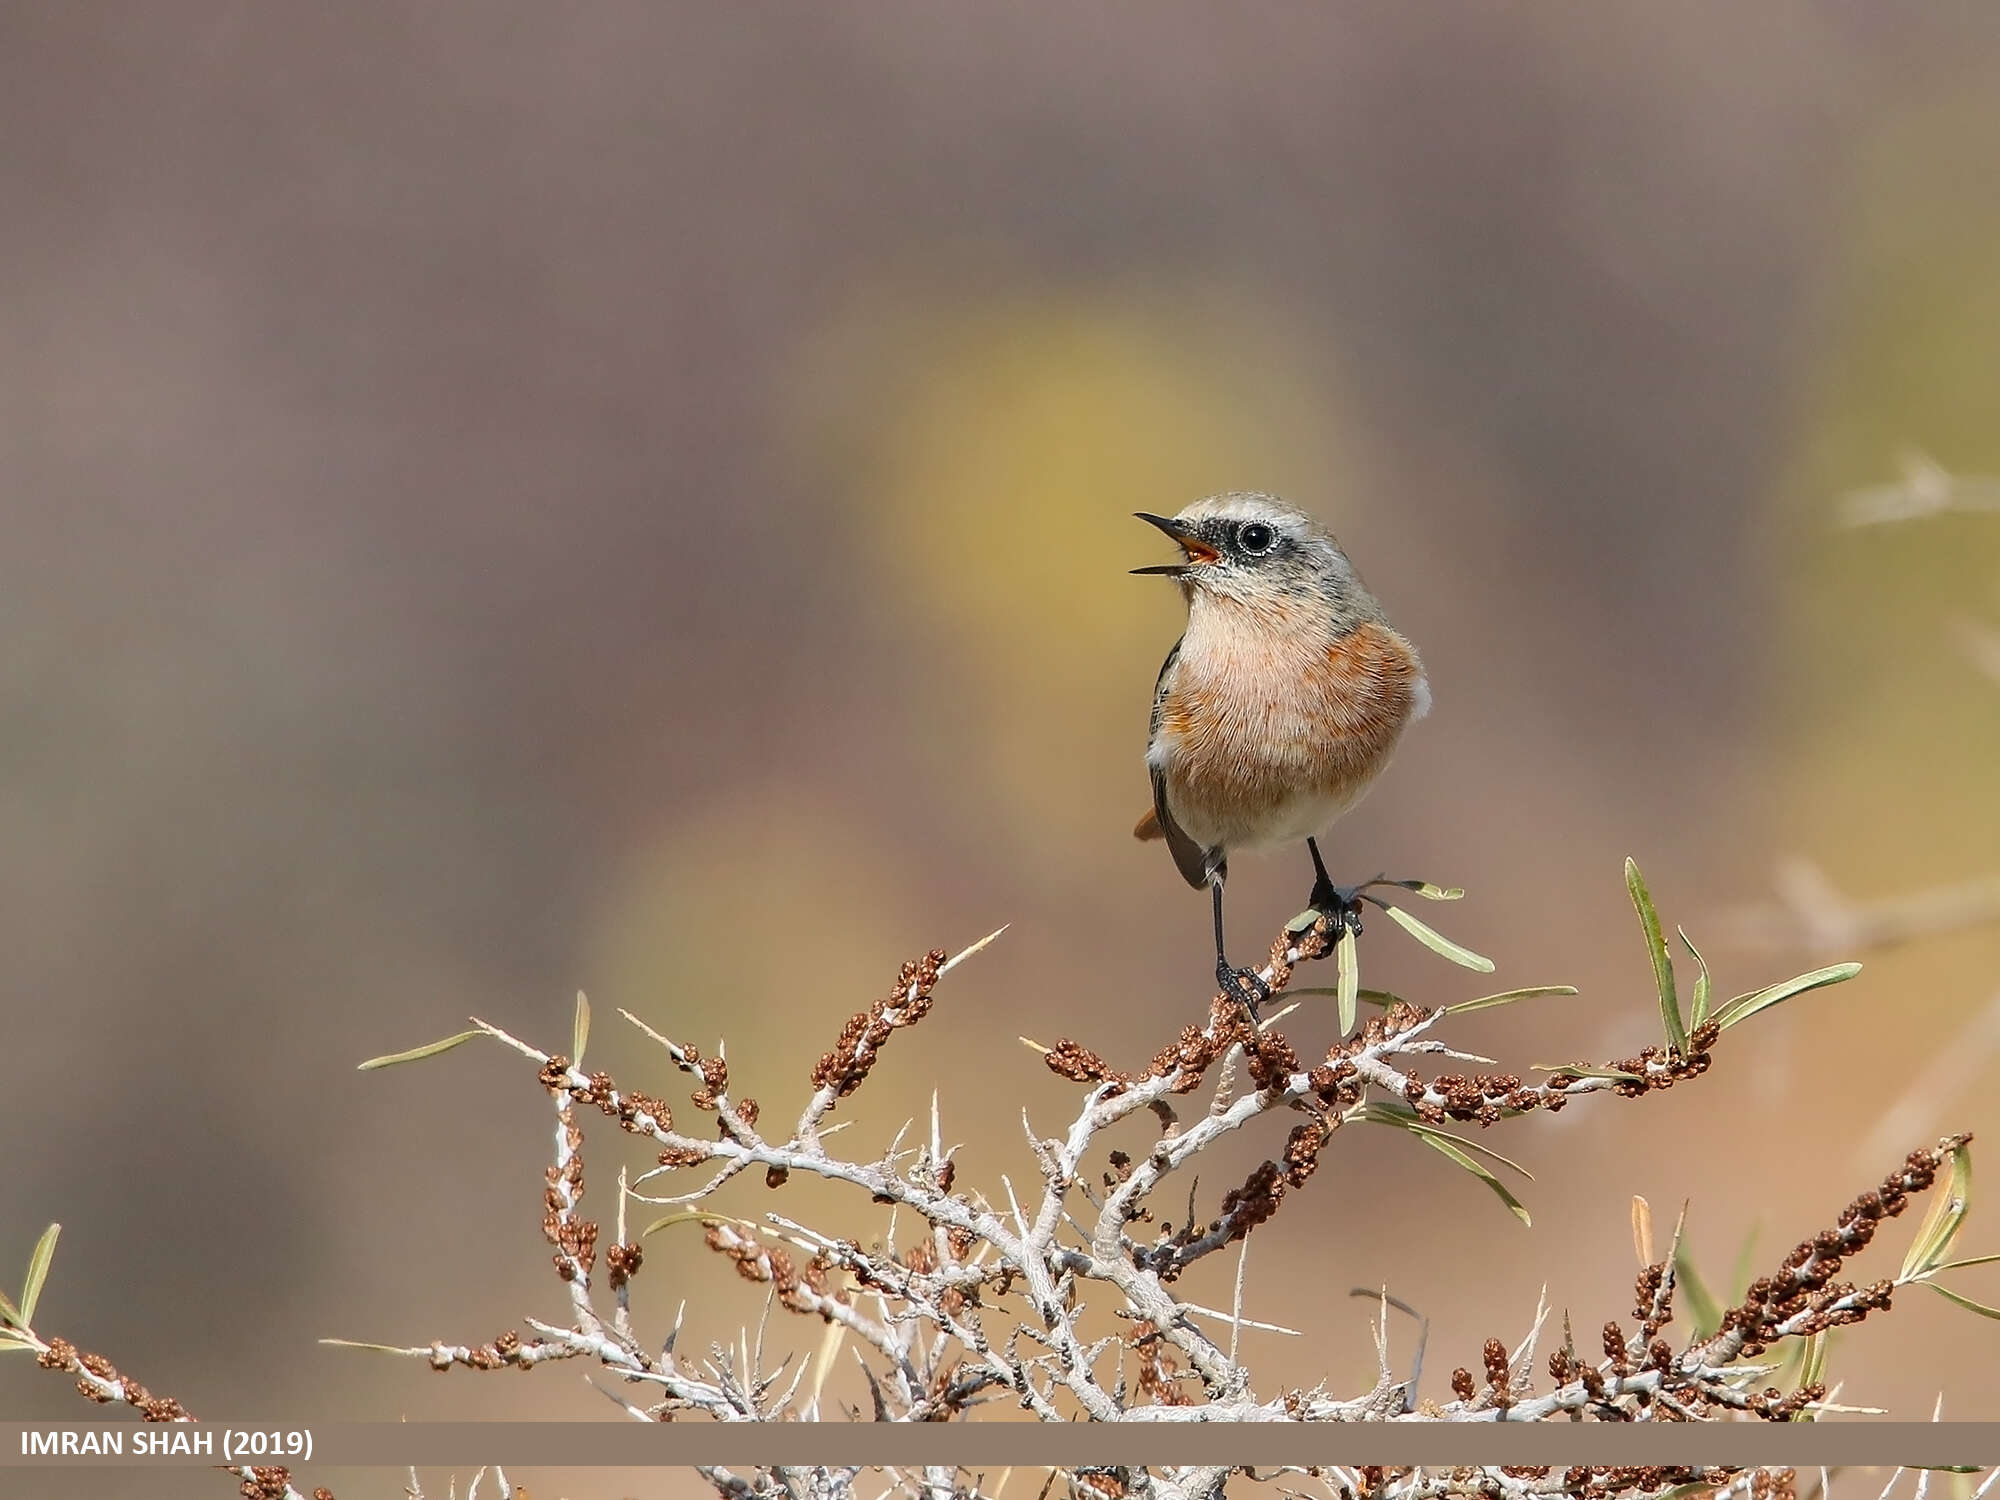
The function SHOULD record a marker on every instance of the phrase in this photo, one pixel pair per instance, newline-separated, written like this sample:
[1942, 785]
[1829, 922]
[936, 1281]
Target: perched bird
[1279, 705]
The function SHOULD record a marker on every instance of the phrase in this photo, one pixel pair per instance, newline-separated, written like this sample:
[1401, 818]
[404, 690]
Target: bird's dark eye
[1256, 538]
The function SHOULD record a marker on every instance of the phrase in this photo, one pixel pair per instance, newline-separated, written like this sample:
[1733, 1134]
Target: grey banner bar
[996, 1445]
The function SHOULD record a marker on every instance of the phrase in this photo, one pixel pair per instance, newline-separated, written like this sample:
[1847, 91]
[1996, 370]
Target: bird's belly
[1268, 751]
[1279, 781]
[1248, 811]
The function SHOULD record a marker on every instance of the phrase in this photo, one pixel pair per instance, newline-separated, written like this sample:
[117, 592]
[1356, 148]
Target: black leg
[1339, 901]
[1242, 982]
[1319, 865]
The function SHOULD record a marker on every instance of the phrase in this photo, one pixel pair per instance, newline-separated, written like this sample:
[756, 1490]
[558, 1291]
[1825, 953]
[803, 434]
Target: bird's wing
[1160, 690]
[1193, 861]
[1190, 858]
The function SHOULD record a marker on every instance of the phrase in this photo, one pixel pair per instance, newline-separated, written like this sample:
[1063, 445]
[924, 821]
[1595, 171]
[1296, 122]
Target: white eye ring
[1256, 538]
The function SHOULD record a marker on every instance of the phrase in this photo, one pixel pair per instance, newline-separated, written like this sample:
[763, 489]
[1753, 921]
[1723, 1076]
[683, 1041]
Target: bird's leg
[1244, 983]
[1341, 902]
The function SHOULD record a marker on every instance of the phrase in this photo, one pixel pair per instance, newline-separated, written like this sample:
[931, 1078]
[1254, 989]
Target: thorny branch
[97, 1379]
[983, 1303]
[988, 1299]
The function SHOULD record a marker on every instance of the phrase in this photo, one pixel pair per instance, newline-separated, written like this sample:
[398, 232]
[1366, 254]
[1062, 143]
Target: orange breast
[1257, 719]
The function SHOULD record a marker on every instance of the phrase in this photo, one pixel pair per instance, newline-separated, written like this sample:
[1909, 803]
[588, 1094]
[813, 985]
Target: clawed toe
[1341, 902]
[1246, 984]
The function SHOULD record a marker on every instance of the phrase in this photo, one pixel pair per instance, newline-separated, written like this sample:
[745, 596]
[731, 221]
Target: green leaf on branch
[1702, 1307]
[1437, 942]
[1740, 1278]
[1698, 1007]
[1817, 1345]
[1347, 970]
[1942, 1223]
[1508, 997]
[1456, 1148]
[1383, 998]
[1422, 888]
[364, 1344]
[1745, 1006]
[579, 1030]
[418, 1054]
[1663, 963]
[38, 1272]
[1970, 1260]
[1380, 1112]
[1812, 1369]
[696, 1216]
[1450, 1149]
[1965, 1302]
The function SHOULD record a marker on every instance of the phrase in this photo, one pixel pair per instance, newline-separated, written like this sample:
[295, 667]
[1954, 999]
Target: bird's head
[1256, 549]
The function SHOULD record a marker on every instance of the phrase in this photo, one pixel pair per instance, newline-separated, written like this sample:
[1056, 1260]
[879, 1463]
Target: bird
[1278, 707]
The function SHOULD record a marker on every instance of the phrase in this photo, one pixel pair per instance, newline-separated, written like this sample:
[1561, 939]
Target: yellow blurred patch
[993, 456]
[733, 919]
[1892, 724]
[1888, 725]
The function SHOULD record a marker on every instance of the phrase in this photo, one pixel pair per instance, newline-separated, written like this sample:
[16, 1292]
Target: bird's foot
[1246, 985]
[1341, 902]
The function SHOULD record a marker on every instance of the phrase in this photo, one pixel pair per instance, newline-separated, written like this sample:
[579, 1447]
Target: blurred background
[638, 497]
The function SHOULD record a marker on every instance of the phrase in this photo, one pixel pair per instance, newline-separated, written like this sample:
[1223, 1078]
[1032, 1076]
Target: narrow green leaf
[1508, 997]
[579, 1031]
[1700, 1302]
[1739, 1280]
[1960, 1265]
[1814, 1372]
[1745, 1006]
[361, 1344]
[1466, 1143]
[8, 1346]
[1381, 1112]
[1302, 922]
[1438, 943]
[38, 1272]
[10, 1315]
[417, 1054]
[1790, 1367]
[1941, 1224]
[1365, 995]
[1698, 1007]
[1422, 888]
[1663, 962]
[693, 1216]
[1347, 969]
[1965, 1302]
[1448, 1149]
[1582, 1071]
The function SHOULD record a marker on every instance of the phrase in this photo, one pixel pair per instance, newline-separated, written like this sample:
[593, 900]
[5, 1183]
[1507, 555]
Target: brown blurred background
[637, 497]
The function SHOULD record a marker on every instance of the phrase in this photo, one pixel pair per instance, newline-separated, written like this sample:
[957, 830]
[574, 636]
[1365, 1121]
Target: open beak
[1199, 553]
